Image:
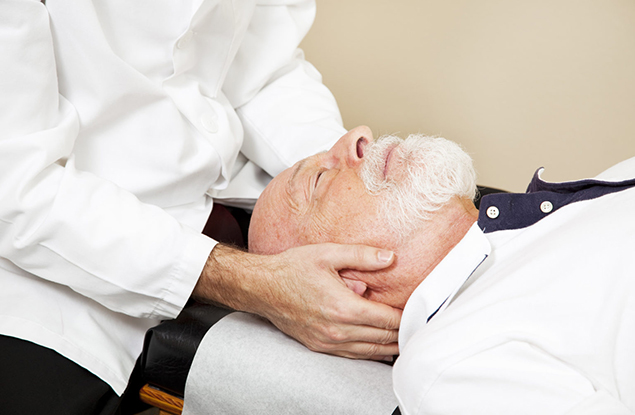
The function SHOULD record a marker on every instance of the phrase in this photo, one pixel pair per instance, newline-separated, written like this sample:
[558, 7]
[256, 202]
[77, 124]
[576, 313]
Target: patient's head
[411, 196]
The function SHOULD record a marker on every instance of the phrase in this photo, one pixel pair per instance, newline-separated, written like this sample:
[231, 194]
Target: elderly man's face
[323, 199]
[410, 196]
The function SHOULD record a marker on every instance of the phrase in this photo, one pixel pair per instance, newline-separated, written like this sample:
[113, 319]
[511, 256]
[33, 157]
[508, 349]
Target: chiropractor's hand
[301, 293]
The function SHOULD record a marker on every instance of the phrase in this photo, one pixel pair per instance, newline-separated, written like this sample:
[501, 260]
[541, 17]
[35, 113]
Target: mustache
[425, 173]
[373, 168]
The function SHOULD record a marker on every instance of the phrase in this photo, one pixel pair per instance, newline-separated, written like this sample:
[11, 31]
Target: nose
[349, 150]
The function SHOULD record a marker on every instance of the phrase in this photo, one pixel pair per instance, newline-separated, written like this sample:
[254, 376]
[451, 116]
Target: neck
[430, 244]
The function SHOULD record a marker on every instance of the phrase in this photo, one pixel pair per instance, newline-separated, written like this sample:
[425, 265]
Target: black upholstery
[170, 347]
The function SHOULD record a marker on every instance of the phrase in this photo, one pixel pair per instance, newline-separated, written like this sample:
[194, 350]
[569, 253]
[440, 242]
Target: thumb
[359, 257]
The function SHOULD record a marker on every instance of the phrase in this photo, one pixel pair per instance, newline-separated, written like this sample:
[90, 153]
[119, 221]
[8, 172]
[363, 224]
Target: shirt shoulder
[621, 171]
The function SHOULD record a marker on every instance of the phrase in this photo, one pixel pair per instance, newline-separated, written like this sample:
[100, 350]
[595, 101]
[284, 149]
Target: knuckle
[340, 313]
[372, 350]
[313, 343]
[313, 346]
[389, 336]
[334, 334]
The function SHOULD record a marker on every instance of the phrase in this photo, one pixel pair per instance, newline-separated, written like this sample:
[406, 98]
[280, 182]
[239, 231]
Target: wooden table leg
[168, 404]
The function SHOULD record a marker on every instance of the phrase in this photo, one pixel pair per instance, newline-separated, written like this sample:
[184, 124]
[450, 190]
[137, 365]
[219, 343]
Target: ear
[356, 286]
[353, 284]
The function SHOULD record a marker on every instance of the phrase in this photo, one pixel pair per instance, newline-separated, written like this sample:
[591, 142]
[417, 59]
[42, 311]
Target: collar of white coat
[434, 293]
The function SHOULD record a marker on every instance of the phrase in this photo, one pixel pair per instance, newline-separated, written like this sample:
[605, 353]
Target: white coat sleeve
[286, 111]
[511, 378]
[68, 226]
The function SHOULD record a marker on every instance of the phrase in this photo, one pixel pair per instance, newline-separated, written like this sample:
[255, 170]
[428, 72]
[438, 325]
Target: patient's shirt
[538, 316]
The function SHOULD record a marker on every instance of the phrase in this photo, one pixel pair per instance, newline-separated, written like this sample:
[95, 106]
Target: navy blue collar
[502, 211]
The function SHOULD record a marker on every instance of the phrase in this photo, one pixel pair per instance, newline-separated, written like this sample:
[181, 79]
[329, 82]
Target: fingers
[350, 341]
[341, 332]
[370, 336]
[346, 341]
[370, 313]
[301, 292]
[359, 335]
[350, 325]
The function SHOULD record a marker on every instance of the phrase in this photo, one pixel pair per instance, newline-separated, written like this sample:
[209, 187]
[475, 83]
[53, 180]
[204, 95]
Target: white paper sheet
[244, 365]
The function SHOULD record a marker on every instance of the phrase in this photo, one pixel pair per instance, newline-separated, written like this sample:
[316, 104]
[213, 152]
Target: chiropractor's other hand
[301, 293]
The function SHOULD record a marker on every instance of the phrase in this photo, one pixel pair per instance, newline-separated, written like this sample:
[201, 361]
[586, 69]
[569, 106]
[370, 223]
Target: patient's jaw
[324, 199]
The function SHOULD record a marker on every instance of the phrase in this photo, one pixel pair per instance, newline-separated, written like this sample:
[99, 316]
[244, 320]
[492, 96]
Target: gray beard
[430, 170]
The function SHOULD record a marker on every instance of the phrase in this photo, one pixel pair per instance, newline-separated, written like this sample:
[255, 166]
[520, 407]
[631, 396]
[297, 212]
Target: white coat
[120, 122]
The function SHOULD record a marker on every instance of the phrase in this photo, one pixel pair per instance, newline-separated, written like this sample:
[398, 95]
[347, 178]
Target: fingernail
[384, 256]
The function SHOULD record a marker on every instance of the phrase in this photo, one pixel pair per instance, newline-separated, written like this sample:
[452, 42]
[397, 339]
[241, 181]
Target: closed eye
[317, 179]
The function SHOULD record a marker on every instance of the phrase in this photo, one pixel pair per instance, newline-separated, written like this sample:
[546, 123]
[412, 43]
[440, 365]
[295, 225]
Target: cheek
[264, 239]
[346, 215]
[315, 231]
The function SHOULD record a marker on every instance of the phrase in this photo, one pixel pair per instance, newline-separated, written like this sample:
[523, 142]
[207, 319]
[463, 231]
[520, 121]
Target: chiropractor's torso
[121, 121]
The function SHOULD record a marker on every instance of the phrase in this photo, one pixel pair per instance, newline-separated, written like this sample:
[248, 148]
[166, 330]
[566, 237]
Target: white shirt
[544, 325]
[120, 122]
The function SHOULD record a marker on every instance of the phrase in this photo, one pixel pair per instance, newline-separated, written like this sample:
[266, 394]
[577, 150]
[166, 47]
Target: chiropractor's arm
[301, 292]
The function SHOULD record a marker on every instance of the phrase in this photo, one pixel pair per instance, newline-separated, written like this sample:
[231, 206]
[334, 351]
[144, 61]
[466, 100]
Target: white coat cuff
[197, 248]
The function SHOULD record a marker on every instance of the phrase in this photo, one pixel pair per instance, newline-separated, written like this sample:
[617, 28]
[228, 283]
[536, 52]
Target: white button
[185, 39]
[546, 206]
[209, 122]
[492, 212]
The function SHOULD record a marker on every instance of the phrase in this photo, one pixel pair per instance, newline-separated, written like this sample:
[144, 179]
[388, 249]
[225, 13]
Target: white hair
[425, 174]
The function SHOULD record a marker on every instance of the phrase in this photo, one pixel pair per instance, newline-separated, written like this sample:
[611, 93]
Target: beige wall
[520, 84]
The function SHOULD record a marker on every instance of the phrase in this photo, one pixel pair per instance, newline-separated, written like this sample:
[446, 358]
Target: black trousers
[37, 380]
